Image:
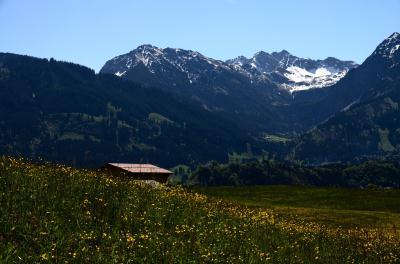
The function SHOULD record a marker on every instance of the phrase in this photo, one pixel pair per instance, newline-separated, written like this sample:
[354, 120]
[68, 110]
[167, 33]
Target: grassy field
[56, 214]
[347, 208]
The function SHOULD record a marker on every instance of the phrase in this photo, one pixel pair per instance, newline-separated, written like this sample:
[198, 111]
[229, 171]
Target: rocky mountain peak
[290, 72]
[390, 47]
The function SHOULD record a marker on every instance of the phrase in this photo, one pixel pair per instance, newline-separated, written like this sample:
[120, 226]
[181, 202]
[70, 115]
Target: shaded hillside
[369, 121]
[217, 86]
[66, 113]
[253, 92]
[367, 130]
[202, 110]
[374, 77]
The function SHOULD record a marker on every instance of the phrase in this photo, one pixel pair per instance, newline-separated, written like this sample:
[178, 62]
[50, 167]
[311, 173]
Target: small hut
[138, 171]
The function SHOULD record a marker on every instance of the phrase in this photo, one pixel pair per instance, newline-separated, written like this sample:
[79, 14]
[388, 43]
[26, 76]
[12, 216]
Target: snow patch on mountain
[389, 47]
[285, 70]
[293, 73]
[301, 79]
[119, 74]
[162, 60]
[393, 50]
[299, 75]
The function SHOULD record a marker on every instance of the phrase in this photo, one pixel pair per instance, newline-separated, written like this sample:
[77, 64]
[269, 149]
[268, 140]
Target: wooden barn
[138, 171]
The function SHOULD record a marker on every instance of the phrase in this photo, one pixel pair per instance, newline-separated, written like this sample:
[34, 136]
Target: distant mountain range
[185, 108]
[187, 68]
[293, 73]
[252, 91]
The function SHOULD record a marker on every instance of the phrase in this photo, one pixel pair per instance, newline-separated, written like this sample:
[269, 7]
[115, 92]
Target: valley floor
[335, 207]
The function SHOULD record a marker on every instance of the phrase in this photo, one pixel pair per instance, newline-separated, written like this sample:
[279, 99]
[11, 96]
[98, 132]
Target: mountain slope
[202, 110]
[66, 113]
[371, 79]
[249, 91]
[214, 84]
[369, 122]
[293, 73]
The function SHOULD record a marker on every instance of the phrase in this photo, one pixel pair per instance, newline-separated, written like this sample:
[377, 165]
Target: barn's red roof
[140, 168]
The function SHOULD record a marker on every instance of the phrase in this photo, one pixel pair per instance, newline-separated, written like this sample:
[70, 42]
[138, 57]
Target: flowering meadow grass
[334, 207]
[56, 214]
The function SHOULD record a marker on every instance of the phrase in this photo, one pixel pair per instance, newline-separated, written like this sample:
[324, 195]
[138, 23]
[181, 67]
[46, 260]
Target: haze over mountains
[183, 107]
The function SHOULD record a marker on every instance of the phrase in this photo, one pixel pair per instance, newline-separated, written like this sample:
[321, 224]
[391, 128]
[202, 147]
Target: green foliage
[369, 208]
[160, 119]
[56, 214]
[268, 172]
[181, 174]
[71, 136]
[240, 157]
[384, 143]
[78, 117]
[276, 138]
[366, 130]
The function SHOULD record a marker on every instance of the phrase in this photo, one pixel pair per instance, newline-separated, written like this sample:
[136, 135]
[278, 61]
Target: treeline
[377, 173]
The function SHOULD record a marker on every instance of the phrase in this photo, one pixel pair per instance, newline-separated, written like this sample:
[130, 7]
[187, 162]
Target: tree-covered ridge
[66, 113]
[367, 130]
[363, 111]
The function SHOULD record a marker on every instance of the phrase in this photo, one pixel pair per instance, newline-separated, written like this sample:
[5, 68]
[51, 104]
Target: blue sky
[90, 32]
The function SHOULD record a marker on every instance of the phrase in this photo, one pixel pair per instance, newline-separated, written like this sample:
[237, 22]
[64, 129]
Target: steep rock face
[369, 120]
[180, 67]
[293, 73]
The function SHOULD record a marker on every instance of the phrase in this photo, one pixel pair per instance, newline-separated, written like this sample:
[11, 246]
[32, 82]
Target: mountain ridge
[295, 73]
[223, 112]
[64, 112]
[367, 123]
[228, 87]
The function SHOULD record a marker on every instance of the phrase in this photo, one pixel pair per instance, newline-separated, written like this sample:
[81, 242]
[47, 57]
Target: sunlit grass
[58, 214]
[331, 206]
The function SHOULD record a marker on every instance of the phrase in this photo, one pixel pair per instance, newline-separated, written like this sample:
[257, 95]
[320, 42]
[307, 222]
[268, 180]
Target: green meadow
[368, 208]
[57, 214]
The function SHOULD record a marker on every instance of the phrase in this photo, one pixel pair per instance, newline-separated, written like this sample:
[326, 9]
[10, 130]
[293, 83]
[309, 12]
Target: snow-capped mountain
[390, 47]
[293, 73]
[213, 108]
[364, 111]
[159, 61]
[216, 85]
[180, 67]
